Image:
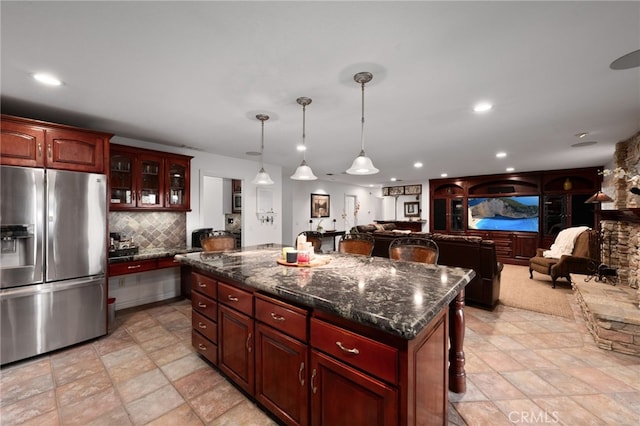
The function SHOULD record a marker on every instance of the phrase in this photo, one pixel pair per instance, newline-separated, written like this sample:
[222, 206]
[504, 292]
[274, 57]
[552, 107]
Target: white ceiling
[195, 74]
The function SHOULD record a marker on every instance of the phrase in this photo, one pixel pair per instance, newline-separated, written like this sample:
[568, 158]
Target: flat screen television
[518, 213]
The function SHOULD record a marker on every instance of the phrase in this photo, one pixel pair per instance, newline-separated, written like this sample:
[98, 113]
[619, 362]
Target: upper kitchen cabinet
[32, 143]
[143, 179]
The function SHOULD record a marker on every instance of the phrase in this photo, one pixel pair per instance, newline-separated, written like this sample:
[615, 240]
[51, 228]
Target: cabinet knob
[201, 284]
[202, 325]
[202, 305]
[202, 347]
[232, 298]
[300, 376]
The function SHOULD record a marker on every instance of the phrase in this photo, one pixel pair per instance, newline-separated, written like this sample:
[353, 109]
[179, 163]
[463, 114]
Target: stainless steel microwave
[237, 202]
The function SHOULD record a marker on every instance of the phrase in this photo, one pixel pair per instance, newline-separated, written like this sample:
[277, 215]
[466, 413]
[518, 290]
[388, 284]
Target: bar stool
[213, 241]
[356, 243]
[413, 249]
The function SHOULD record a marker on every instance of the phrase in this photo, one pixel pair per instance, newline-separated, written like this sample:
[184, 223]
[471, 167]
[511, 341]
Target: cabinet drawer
[204, 285]
[204, 305]
[204, 326]
[235, 298]
[204, 347]
[368, 355]
[167, 262]
[286, 318]
[132, 267]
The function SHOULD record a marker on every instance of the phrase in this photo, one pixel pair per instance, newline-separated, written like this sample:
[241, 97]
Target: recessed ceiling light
[47, 79]
[581, 134]
[501, 154]
[393, 179]
[417, 164]
[510, 169]
[443, 175]
[482, 107]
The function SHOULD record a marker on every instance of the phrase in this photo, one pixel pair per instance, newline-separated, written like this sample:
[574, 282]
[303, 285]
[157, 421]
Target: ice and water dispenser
[17, 246]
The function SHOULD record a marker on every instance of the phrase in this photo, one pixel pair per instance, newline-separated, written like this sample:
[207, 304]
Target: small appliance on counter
[119, 246]
[196, 234]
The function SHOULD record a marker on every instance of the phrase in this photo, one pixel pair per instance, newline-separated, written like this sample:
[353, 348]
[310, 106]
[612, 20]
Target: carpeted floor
[537, 294]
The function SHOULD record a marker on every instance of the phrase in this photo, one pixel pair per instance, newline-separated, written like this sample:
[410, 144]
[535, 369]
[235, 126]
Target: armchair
[582, 260]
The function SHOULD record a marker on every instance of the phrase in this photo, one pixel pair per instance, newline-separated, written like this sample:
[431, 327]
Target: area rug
[537, 294]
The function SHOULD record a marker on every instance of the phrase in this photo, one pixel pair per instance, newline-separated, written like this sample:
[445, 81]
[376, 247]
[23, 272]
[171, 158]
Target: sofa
[455, 250]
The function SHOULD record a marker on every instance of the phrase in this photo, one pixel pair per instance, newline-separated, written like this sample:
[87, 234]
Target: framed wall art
[320, 204]
[412, 209]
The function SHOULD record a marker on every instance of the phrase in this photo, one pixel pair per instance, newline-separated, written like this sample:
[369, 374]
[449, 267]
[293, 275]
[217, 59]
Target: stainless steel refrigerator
[52, 260]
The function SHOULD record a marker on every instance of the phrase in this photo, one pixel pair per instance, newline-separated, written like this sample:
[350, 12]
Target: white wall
[297, 212]
[205, 164]
[212, 202]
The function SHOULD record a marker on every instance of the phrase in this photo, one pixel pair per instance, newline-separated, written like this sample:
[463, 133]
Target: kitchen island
[356, 340]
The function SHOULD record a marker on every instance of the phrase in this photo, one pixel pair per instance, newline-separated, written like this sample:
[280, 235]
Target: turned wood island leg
[457, 375]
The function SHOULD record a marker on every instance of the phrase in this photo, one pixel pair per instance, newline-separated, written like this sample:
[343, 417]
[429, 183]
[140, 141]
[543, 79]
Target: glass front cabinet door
[177, 178]
[122, 181]
[151, 175]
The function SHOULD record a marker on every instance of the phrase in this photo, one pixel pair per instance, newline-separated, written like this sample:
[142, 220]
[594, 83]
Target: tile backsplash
[232, 222]
[151, 229]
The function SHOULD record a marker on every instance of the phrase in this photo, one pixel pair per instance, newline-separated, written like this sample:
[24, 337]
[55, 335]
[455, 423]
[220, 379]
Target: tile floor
[522, 367]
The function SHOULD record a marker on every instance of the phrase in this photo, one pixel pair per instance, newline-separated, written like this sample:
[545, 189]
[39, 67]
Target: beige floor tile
[183, 366]
[150, 333]
[72, 372]
[125, 355]
[154, 405]
[524, 411]
[141, 385]
[171, 353]
[16, 390]
[118, 416]
[566, 411]
[24, 370]
[159, 342]
[198, 382]
[28, 409]
[500, 361]
[183, 416]
[600, 381]
[246, 414]
[88, 409]
[530, 384]
[608, 409]
[483, 413]
[565, 383]
[49, 418]
[71, 356]
[494, 386]
[72, 392]
[216, 401]
[128, 370]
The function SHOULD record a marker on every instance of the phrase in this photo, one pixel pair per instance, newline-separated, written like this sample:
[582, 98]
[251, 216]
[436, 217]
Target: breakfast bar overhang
[376, 340]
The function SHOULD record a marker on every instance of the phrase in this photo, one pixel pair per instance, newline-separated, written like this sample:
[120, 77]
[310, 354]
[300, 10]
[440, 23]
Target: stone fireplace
[621, 229]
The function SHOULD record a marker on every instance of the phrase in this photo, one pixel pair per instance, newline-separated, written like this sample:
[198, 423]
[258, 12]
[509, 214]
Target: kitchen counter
[152, 253]
[400, 298]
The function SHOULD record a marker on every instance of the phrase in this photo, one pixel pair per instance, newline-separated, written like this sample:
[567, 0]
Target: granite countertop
[153, 253]
[398, 297]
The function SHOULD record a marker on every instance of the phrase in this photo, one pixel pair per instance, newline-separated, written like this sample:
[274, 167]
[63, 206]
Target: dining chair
[218, 241]
[356, 243]
[314, 238]
[413, 249]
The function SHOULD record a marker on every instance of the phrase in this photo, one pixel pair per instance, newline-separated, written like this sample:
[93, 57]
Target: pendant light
[362, 165]
[262, 178]
[303, 172]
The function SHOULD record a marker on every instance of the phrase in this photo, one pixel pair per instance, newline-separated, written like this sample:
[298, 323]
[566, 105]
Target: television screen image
[518, 213]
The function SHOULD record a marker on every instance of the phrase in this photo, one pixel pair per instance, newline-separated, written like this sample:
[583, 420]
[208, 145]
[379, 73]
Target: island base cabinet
[235, 347]
[341, 395]
[281, 375]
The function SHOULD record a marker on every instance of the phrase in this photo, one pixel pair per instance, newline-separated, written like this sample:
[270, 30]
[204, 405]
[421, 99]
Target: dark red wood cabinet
[32, 143]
